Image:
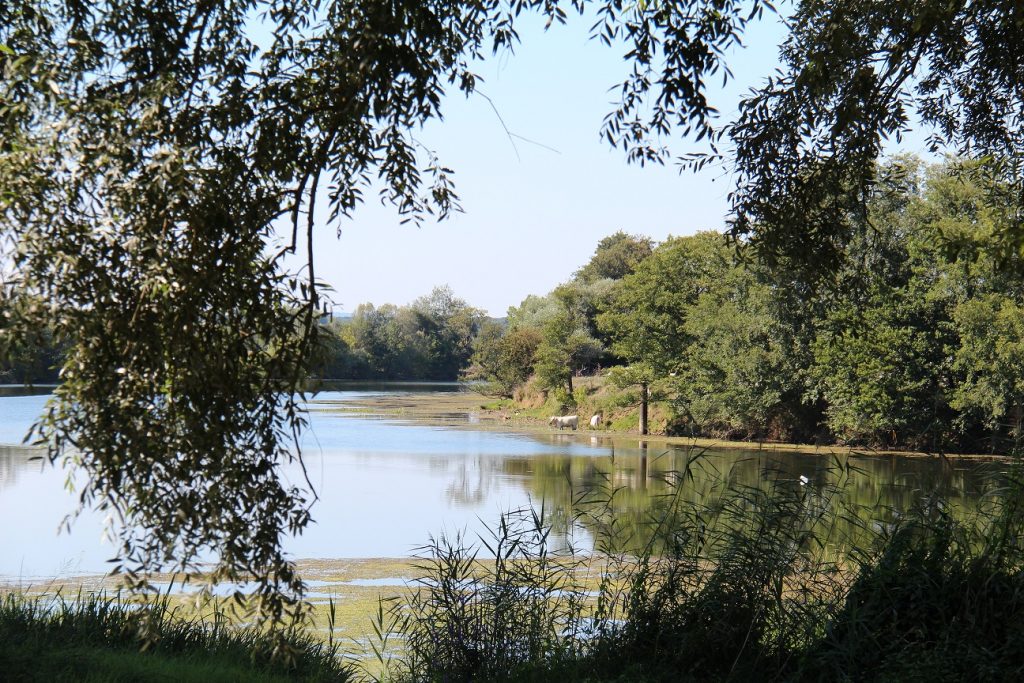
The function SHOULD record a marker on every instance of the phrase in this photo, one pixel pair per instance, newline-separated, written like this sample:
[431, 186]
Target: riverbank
[468, 409]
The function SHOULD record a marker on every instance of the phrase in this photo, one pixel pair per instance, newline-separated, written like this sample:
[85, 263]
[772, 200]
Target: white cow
[567, 421]
[595, 421]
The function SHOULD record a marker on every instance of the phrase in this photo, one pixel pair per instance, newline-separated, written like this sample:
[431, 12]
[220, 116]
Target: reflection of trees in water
[475, 479]
[620, 495]
[14, 460]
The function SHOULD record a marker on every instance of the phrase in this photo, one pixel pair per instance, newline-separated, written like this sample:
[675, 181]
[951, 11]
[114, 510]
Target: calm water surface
[386, 486]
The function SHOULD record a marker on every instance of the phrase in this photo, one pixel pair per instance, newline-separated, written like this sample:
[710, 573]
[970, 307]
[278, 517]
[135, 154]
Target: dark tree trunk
[644, 392]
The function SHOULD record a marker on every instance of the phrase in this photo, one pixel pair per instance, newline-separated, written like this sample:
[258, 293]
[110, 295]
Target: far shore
[468, 409]
[459, 406]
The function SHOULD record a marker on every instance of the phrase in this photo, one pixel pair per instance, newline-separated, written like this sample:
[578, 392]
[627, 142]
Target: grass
[98, 638]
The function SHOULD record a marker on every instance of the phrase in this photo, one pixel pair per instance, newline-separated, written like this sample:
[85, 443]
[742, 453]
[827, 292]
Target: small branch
[502, 122]
[513, 136]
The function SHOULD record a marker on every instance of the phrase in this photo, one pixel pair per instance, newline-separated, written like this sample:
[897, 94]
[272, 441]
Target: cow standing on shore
[595, 421]
[567, 421]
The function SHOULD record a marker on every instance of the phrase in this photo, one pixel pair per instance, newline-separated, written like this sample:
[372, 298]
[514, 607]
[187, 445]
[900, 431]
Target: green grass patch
[98, 638]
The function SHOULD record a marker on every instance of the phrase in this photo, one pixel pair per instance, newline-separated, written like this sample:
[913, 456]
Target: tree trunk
[570, 383]
[644, 393]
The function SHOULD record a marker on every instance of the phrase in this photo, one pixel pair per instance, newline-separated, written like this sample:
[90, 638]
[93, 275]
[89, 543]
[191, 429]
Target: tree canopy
[147, 152]
[430, 339]
[616, 256]
[854, 75]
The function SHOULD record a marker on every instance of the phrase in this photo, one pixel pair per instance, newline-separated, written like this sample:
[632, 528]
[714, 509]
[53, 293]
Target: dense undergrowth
[97, 638]
[782, 582]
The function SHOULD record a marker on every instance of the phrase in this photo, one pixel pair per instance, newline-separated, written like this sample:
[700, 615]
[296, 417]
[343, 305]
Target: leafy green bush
[471, 619]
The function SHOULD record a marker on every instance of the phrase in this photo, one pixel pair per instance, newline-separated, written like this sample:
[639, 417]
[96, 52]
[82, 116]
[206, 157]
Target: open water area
[386, 484]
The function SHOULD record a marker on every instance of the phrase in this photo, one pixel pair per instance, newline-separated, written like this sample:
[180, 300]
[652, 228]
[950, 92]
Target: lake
[386, 485]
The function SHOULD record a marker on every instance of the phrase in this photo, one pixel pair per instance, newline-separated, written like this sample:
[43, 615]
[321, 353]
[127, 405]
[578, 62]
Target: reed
[781, 582]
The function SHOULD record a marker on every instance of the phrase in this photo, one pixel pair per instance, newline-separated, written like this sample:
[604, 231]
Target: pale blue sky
[531, 221]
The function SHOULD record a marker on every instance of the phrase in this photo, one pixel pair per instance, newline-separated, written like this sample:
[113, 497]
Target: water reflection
[385, 487]
[474, 482]
[632, 484]
[35, 502]
[15, 459]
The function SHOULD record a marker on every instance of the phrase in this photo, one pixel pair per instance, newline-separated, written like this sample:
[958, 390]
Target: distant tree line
[917, 341]
[429, 339]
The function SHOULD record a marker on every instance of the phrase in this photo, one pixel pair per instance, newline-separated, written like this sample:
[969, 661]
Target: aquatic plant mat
[352, 585]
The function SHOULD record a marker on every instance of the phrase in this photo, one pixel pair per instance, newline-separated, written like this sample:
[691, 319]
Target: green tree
[743, 375]
[375, 333]
[714, 334]
[990, 359]
[641, 377]
[880, 369]
[647, 315]
[505, 358]
[31, 357]
[885, 345]
[807, 141]
[432, 338]
[565, 323]
[534, 311]
[565, 349]
[584, 301]
[447, 326]
[616, 257]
